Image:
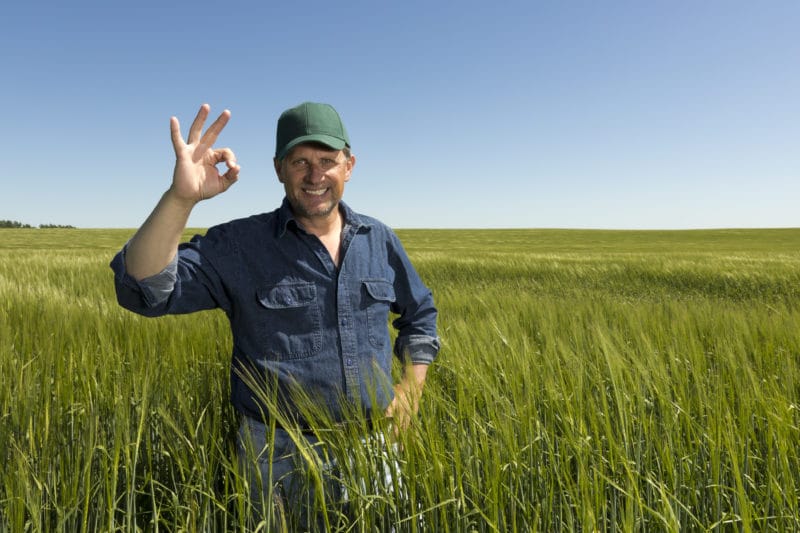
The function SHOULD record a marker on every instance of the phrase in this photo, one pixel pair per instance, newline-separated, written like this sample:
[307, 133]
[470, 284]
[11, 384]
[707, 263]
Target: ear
[351, 163]
[277, 163]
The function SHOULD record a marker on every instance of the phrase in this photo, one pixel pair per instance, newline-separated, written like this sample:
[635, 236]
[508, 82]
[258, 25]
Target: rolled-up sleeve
[162, 284]
[148, 292]
[419, 349]
[417, 338]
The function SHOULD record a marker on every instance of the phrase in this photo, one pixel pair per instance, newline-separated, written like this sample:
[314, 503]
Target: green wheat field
[588, 381]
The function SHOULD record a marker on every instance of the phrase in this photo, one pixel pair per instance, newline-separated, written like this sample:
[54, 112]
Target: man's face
[314, 176]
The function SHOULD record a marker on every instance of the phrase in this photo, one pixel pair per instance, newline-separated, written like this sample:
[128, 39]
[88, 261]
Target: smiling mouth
[316, 192]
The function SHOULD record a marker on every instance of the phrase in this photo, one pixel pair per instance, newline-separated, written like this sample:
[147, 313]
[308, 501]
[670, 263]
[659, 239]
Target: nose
[315, 172]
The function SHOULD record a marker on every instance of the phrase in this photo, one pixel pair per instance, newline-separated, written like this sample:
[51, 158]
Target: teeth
[315, 192]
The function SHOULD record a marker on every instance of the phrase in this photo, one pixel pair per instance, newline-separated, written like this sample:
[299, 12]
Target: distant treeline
[15, 224]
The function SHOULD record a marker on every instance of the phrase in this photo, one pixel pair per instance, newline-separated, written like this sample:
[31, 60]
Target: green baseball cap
[310, 122]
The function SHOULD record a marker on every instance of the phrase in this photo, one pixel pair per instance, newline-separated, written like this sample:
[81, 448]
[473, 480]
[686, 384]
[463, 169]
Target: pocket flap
[287, 296]
[380, 290]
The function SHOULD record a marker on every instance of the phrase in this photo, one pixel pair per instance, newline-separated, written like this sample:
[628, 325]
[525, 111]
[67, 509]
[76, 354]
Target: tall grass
[589, 380]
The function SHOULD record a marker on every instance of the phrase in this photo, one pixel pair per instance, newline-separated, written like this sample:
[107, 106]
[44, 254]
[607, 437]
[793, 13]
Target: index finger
[213, 131]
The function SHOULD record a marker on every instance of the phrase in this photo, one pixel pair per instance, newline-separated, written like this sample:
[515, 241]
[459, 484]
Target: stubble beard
[300, 210]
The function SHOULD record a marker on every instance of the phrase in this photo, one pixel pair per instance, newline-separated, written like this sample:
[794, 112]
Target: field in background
[635, 381]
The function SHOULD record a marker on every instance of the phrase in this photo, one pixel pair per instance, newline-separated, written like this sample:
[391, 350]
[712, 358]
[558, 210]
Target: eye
[326, 163]
[300, 163]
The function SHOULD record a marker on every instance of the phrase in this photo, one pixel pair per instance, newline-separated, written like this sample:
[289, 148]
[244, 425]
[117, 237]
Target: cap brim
[334, 143]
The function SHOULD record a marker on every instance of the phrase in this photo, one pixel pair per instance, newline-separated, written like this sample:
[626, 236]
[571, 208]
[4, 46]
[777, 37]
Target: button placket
[348, 340]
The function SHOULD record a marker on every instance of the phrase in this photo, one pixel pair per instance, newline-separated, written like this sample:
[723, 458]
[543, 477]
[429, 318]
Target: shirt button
[349, 361]
[344, 322]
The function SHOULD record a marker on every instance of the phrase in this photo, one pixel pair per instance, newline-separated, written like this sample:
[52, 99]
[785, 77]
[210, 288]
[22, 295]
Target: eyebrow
[317, 147]
[326, 155]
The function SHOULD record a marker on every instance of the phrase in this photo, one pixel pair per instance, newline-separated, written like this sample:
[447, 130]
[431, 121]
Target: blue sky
[574, 114]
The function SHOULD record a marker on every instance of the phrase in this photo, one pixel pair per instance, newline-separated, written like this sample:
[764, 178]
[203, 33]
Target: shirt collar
[285, 216]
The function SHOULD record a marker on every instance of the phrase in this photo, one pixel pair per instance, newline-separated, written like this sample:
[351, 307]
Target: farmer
[307, 289]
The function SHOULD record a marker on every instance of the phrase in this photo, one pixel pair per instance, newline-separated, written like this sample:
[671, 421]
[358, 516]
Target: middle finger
[213, 131]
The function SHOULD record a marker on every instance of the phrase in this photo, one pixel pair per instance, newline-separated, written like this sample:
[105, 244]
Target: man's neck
[328, 230]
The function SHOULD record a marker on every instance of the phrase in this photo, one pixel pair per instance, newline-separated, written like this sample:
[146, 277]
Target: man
[307, 288]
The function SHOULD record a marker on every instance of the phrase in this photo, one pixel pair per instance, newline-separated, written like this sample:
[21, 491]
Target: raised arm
[195, 178]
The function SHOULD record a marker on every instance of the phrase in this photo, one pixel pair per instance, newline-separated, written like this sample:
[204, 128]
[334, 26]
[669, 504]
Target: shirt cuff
[419, 349]
[158, 287]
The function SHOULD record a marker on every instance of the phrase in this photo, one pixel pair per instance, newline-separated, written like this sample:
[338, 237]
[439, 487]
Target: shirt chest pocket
[290, 321]
[378, 297]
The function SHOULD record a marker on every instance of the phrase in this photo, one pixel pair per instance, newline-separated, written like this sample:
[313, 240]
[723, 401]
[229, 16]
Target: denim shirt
[297, 320]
